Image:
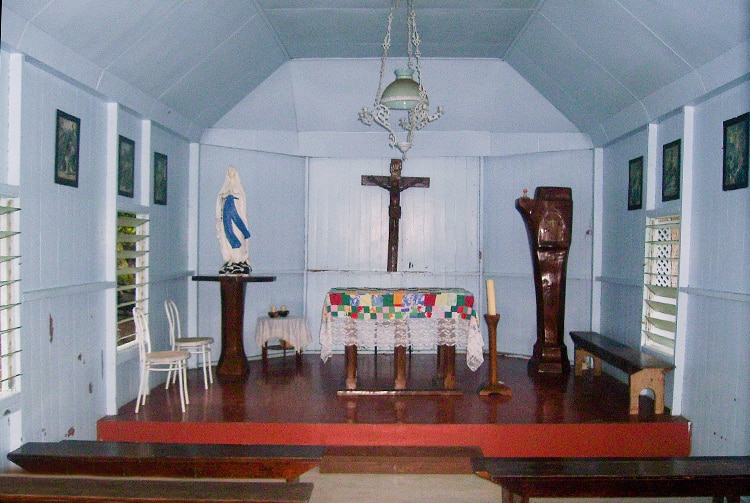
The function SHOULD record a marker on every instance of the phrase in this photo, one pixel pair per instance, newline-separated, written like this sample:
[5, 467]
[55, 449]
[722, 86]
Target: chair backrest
[173, 315]
[142, 334]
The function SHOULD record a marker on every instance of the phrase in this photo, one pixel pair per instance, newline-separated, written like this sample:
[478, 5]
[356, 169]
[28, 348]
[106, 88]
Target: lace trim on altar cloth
[419, 333]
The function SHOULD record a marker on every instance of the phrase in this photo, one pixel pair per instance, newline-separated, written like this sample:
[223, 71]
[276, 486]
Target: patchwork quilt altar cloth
[387, 317]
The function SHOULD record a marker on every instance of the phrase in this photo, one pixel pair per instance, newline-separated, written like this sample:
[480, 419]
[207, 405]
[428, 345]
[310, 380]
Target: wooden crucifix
[394, 184]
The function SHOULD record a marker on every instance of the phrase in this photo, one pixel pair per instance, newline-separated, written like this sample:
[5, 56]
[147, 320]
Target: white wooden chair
[158, 361]
[199, 346]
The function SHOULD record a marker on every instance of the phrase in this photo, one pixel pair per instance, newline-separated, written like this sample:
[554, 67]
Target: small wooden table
[233, 361]
[294, 331]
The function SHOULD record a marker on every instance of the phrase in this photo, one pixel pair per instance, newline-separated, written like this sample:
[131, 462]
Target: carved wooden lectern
[549, 220]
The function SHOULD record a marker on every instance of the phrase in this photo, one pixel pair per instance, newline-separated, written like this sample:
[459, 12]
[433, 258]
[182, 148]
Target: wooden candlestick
[495, 387]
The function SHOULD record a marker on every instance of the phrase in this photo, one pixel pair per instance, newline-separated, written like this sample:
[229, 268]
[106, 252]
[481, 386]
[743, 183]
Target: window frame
[132, 252]
[661, 267]
[10, 296]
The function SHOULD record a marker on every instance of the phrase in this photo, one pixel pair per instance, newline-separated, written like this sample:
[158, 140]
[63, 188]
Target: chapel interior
[536, 247]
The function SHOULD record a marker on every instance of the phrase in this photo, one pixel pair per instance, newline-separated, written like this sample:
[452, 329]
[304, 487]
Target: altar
[397, 318]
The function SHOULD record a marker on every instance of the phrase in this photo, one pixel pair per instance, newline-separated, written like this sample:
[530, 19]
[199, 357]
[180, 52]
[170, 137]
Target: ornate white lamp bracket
[418, 116]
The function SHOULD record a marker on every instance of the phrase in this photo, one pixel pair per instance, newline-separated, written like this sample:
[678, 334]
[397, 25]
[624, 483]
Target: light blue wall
[348, 224]
[275, 192]
[622, 242]
[67, 265]
[63, 266]
[347, 233]
[505, 250]
[713, 374]
[717, 347]
[68, 280]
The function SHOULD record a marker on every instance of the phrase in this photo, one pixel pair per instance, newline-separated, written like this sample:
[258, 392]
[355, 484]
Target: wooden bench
[128, 459]
[644, 370]
[523, 478]
[77, 488]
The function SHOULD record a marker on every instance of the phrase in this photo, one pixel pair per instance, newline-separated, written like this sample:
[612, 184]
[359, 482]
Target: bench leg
[580, 356]
[509, 497]
[652, 379]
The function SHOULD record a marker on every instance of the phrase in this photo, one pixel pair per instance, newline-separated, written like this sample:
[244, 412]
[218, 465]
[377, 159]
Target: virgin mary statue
[231, 225]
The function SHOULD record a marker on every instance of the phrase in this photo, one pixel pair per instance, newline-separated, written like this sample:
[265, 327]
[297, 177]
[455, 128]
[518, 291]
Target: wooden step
[398, 459]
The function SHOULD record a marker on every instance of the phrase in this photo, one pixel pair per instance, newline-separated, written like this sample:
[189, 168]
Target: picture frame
[671, 168]
[160, 178]
[125, 166]
[735, 162]
[635, 183]
[67, 145]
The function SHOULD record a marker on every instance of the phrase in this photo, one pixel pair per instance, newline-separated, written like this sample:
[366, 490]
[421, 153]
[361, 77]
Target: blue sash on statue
[229, 217]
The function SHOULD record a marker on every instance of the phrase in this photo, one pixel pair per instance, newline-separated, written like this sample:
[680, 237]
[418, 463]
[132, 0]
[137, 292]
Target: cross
[394, 184]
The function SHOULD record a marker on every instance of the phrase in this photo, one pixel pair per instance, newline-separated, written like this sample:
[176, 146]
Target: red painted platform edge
[506, 440]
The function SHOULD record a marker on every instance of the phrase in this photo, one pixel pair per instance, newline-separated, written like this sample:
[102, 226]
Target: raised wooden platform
[298, 404]
[389, 459]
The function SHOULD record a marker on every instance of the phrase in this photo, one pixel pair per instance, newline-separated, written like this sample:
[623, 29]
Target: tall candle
[491, 297]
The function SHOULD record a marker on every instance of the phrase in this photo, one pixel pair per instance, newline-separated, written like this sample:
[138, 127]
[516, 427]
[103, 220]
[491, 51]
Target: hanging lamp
[406, 93]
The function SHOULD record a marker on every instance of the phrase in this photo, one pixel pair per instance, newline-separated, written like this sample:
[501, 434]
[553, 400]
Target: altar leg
[350, 358]
[233, 361]
[449, 368]
[440, 361]
[399, 367]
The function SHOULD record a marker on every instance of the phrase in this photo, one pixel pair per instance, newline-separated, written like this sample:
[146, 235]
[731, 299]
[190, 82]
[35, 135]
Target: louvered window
[660, 275]
[10, 295]
[132, 272]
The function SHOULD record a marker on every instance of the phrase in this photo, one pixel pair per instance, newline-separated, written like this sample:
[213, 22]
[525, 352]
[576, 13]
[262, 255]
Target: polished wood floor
[287, 402]
[284, 391]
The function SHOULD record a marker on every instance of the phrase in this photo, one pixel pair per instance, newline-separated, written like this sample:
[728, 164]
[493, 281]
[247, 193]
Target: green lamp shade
[402, 93]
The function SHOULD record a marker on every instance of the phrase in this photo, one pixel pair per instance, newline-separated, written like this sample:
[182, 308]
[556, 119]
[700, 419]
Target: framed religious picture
[735, 153]
[635, 183]
[125, 167]
[160, 178]
[671, 167]
[67, 142]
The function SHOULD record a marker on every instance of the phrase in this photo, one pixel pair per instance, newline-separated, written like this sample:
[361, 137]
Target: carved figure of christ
[394, 184]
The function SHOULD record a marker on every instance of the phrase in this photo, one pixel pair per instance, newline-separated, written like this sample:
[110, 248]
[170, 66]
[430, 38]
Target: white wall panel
[715, 370]
[348, 222]
[717, 347]
[505, 250]
[64, 258]
[275, 190]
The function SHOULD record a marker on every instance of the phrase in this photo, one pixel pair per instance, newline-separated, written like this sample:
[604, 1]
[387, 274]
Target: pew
[645, 371]
[33, 488]
[129, 459]
[523, 478]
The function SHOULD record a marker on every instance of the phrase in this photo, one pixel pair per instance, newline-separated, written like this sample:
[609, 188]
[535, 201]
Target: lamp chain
[418, 116]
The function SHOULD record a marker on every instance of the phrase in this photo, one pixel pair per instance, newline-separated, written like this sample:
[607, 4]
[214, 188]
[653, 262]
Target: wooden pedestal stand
[232, 361]
[549, 221]
[495, 387]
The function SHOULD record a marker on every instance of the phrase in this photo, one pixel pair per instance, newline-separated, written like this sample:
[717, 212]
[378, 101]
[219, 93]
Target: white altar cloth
[295, 331]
